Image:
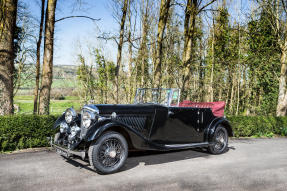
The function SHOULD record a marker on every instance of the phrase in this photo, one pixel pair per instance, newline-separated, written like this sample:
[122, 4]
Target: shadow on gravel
[74, 161]
[146, 157]
[136, 158]
[159, 157]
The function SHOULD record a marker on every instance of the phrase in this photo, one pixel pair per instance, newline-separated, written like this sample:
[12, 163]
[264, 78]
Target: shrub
[257, 126]
[25, 131]
[283, 131]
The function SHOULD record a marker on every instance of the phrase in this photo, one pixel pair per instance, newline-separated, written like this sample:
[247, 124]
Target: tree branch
[81, 16]
[107, 38]
[284, 7]
[202, 8]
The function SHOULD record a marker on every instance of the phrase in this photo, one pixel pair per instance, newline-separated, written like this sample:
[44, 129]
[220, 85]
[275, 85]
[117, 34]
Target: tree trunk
[47, 72]
[164, 8]
[201, 75]
[36, 91]
[282, 96]
[130, 67]
[120, 46]
[7, 55]
[232, 93]
[238, 88]
[189, 41]
[143, 46]
[239, 71]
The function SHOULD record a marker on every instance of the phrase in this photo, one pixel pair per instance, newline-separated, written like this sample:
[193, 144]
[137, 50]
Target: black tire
[219, 141]
[112, 148]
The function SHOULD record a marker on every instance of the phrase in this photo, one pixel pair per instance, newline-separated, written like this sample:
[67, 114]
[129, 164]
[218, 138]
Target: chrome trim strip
[192, 145]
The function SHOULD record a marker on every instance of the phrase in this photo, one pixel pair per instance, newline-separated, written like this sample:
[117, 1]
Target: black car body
[158, 125]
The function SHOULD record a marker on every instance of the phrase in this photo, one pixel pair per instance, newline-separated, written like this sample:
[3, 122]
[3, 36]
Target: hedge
[28, 131]
[25, 131]
[258, 126]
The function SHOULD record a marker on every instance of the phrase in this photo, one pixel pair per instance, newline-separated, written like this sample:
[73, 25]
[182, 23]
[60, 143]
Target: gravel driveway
[251, 164]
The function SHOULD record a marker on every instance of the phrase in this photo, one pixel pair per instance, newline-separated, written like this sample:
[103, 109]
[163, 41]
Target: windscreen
[167, 97]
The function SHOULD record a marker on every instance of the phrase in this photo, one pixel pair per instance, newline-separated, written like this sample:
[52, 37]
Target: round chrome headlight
[87, 118]
[89, 115]
[70, 115]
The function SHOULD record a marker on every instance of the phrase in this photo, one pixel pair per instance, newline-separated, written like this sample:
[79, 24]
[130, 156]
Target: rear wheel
[109, 153]
[219, 141]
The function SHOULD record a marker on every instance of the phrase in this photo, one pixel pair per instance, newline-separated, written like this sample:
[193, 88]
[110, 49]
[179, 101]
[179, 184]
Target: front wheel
[219, 141]
[109, 153]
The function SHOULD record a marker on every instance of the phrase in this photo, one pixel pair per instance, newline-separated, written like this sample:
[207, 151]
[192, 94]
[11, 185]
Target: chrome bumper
[67, 152]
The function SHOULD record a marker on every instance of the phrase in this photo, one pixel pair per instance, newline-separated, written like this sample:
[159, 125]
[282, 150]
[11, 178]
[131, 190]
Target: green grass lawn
[24, 97]
[25, 104]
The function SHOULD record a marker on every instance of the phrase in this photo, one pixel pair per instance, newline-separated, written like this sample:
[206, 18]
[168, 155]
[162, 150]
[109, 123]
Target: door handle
[202, 117]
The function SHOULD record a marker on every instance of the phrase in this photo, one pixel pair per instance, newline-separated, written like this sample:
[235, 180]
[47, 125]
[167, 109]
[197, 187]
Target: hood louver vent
[137, 123]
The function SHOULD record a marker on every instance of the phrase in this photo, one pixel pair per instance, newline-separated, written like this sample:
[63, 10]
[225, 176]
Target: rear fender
[215, 123]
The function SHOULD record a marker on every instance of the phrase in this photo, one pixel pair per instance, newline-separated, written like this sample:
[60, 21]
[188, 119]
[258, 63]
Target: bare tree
[143, 50]
[36, 91]
[132, 13]
[191, 11]
[120, 45]
[163, 16]
[7, 54]
[47, 72]
[24, 49]
[210, 87]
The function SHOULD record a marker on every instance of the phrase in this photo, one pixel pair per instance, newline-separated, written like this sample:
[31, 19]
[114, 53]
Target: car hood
[127, 108]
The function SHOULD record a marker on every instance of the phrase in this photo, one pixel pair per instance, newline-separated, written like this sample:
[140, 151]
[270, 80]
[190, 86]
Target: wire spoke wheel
[110, 152]
[220, 141]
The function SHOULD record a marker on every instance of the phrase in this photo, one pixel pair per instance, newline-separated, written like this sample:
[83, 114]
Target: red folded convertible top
[216, 107]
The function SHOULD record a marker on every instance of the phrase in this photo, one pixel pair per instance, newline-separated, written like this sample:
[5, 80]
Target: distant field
[25, 104]
[64, 82]
[64, 76]
[57, 83]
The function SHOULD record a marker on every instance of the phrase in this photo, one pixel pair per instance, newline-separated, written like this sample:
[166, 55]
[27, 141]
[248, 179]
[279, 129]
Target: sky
[69, 32]
[78, 34]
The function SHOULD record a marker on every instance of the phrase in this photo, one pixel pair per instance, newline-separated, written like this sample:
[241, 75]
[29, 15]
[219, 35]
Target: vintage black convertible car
[156, 121]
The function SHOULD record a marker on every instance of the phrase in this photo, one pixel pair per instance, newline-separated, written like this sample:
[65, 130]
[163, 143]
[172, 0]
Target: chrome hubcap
[112, 154]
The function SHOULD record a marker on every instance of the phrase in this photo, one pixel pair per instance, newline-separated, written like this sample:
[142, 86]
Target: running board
[185, 146]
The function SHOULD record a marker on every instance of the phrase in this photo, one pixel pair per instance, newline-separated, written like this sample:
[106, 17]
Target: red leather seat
[216, 107]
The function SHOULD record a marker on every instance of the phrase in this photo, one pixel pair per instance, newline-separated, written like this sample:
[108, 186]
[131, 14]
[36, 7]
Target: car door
[177, 125]
[183, 125]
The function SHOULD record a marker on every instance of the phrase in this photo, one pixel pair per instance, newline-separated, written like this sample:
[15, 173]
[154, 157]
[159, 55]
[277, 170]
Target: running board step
[192, 145]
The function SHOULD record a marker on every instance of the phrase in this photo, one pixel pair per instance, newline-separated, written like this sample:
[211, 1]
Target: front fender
[214, 124]
[97, 129]
[59, 121]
